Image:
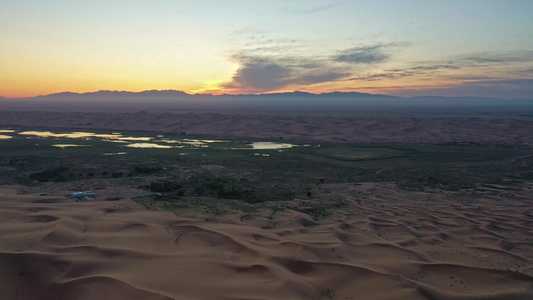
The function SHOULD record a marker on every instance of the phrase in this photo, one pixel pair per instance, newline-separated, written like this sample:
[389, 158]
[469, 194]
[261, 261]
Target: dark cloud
[484, 58]
[525, 83]
[364, 55]
[319, 77]
[268, 67]
[467, 78]
[389, 74]
[406, 72]
[528, 72]
[449, 66]
[263, 74]
[432, 68]
[260, 76]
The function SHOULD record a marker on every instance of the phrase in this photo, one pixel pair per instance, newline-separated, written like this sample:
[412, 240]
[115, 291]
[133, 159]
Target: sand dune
[387, 244]
[305, 127]
[376, 249]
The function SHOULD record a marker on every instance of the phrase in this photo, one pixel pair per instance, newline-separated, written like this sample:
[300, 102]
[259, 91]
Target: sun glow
[211, 86]
[85, 46]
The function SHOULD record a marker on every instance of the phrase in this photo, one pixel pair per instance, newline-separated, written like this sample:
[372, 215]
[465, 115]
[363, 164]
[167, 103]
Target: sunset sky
[406, 48]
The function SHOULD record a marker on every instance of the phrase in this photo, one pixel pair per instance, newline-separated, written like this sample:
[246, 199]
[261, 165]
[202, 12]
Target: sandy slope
[386, 245]
[304, 127]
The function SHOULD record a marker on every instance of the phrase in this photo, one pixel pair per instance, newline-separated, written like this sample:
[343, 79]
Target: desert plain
[355, 207]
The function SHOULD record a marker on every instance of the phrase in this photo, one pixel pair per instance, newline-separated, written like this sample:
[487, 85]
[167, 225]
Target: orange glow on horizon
[216, 90]
[35, 85]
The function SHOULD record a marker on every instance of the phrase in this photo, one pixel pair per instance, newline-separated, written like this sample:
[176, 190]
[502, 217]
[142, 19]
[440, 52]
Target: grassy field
[222, 178]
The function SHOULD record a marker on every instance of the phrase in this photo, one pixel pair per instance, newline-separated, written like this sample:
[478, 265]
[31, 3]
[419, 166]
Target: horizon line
[253, 94]
[192, 94]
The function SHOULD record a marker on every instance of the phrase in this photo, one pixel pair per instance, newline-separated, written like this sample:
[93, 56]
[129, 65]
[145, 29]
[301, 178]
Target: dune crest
[379, 250]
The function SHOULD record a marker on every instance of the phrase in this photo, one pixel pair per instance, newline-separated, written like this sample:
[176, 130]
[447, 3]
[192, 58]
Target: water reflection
[5, 137]
[156, 141]
[115, 153]
[69, 145]
[148, 145]
[73, 135]
[191, 142]
[144, 138]
[270, 145]
[120, 138]
[204, 141]
[262, 154]
[184, 143]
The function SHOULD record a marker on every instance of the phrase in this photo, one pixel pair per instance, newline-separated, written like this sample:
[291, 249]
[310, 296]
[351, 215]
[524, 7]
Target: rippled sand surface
[387, 244]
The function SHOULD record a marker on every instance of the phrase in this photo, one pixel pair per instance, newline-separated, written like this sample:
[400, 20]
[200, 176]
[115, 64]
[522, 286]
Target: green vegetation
[165, 186]
[213, 180]
[56, 174]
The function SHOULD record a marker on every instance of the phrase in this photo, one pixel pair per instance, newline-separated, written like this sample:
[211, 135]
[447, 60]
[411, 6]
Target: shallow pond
[155, 141]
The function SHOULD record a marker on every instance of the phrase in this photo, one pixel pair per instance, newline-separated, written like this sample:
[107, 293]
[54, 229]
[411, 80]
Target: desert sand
[301, 127]
[388, 244]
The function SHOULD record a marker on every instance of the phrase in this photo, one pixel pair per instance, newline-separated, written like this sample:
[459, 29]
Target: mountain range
[295, 94]
[340, 102]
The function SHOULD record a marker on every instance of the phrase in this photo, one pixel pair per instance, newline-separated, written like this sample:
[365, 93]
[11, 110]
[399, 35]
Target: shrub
[55, 174]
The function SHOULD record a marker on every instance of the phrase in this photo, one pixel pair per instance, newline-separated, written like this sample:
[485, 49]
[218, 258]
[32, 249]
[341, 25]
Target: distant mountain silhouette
[107, 93]
[176, 93]
[154, 94]
[356, 94]
[290, 100]
[289, 94]
[338, 102]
